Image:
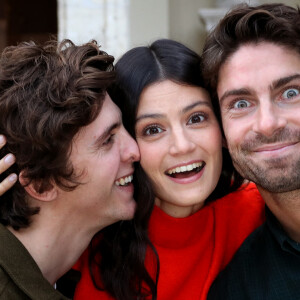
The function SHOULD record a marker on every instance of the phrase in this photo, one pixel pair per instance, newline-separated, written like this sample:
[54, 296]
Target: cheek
[229, 131]
[108, 163]
[236, 130]
[216, 137]
[213, 140]
[233, 136]
[150, 157]
[214, 150]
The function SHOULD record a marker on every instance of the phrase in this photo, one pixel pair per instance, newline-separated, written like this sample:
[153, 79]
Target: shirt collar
[286, 243]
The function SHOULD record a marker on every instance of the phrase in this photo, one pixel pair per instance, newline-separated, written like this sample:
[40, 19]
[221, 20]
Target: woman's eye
[196, 118]
[290, 93]
[241, 104]
[152, 130]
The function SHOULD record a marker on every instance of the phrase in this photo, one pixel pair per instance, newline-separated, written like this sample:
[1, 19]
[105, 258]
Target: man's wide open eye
[241, 104]
[290, 93]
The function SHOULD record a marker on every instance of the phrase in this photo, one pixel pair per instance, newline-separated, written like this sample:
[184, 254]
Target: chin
[128, 211]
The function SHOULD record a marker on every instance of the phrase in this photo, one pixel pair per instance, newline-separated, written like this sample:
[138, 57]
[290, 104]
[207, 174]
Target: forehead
[170, 94]
[257, 65]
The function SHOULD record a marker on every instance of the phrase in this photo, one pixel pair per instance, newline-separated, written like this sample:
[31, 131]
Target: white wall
[119, 25]
[185, 25]
[106, 21]
[149, 20]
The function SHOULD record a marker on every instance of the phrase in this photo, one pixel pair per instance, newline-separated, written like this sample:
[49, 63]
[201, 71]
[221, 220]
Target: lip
[276, 151]
[275, 147]
[126, 188]
[190, 179]
[129, 188]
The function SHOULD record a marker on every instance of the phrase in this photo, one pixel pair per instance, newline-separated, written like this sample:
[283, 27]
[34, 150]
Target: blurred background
[117, 25]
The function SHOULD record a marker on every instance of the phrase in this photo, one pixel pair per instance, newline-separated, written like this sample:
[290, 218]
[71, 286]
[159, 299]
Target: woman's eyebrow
[193, 105]
[184, 110]
[147, 116]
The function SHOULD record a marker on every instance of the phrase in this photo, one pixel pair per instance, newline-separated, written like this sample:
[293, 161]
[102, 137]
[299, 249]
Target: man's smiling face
[259, 94]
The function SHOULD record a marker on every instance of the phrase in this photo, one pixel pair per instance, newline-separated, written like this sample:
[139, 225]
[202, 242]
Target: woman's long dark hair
[123, 245]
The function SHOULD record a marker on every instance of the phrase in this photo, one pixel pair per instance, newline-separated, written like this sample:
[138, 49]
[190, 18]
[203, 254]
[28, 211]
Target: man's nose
[269, 119]
[130, 150]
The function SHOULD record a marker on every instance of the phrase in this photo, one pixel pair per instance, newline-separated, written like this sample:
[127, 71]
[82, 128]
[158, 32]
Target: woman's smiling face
[180, 145]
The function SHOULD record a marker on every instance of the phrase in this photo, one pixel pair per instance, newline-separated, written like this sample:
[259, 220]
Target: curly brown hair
[47, 93]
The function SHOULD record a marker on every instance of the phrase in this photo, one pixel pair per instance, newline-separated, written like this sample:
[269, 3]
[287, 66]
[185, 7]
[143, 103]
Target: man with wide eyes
[252, 62]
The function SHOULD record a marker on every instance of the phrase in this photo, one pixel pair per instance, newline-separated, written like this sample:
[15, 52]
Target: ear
[35, 190]
[224, 143]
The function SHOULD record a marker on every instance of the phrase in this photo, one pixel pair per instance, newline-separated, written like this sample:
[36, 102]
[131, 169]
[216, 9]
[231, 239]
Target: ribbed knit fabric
[193, 250]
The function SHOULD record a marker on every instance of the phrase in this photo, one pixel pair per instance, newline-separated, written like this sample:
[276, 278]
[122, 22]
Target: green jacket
[20, 276]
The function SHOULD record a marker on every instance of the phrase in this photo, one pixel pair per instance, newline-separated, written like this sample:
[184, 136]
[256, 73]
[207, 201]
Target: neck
[55, 246]
[286, 208]
[177, 211]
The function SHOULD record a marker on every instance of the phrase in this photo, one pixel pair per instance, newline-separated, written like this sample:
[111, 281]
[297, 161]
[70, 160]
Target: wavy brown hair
[47, 93]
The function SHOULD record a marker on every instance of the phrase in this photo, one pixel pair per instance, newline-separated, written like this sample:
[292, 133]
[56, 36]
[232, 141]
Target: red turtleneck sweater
[192, 250]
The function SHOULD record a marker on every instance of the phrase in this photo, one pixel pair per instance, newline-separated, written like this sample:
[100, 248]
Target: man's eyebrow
[184, 110]
[237, 92]
[283, 81]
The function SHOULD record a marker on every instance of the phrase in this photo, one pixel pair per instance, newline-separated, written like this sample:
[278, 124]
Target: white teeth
[124, 181]
[185, 168]
[189, 167]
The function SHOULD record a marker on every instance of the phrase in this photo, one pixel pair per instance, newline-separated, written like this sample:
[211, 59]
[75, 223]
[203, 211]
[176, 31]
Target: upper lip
[272, 147]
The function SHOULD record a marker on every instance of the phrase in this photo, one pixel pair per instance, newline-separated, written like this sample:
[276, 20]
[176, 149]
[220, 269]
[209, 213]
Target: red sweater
[193, 250]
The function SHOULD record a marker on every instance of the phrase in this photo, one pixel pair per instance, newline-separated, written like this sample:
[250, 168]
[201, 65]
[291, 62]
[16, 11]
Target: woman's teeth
[124, 181]
[186, 168]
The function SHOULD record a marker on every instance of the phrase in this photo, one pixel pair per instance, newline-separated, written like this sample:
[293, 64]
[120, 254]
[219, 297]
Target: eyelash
[200, 115]
[290, 88]
[152, 126]
[109, 140]
[232, 103]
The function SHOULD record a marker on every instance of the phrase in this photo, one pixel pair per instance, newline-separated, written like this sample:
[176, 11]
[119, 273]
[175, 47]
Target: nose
[269, 119]
[181, 142]
[129, 148]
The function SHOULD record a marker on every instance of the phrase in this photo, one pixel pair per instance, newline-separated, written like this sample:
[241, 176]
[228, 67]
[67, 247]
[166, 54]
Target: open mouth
[186, 171]
[124, 181]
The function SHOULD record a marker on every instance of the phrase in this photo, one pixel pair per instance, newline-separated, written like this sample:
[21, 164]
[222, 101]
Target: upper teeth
[185, 168]
[124, 181]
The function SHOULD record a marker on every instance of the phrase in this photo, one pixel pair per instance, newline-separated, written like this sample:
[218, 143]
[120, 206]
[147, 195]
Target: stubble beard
[275, 175]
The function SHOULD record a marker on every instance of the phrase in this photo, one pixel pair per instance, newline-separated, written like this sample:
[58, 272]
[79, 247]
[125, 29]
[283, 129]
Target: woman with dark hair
[181, 236]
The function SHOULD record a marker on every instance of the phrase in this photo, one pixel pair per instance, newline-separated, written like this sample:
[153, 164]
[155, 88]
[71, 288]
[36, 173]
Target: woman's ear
[224, 143]
[38, 189]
